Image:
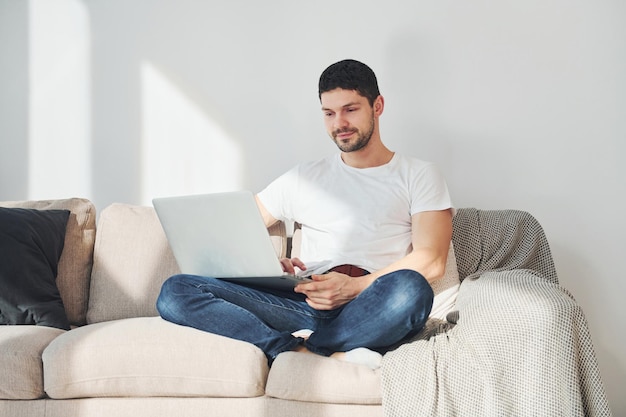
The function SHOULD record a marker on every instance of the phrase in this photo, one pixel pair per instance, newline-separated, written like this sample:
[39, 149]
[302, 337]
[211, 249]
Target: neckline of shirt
[382, 167]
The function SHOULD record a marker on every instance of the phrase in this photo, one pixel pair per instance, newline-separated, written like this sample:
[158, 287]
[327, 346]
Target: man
[382, 222]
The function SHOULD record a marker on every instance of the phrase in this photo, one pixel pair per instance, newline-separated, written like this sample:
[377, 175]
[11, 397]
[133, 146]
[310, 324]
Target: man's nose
[341, 122]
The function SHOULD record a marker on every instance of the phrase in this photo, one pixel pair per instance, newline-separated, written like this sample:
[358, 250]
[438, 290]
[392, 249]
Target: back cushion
[74, 266]
[132, 259]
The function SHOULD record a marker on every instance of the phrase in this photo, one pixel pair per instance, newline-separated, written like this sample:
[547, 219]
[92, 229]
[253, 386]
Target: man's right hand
[289, 265]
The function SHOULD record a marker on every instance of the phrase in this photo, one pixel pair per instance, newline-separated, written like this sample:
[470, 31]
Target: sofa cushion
[131, 260]
[21, 375]
[149, 357]
[74, 267]
[313, 378]
[31, 243]
[446, 288]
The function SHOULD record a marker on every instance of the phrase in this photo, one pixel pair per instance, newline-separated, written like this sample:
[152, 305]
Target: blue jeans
[395, 306]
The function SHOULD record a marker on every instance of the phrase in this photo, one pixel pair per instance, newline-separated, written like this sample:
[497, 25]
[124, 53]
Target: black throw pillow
[31, 242]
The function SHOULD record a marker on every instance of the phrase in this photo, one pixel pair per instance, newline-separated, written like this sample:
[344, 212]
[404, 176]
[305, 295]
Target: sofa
[516, 344]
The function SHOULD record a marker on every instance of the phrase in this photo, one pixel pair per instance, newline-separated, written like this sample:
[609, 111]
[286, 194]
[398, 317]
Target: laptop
[223, 236]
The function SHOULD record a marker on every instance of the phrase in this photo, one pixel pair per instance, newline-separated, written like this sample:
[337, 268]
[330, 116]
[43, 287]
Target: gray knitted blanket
[518, 345]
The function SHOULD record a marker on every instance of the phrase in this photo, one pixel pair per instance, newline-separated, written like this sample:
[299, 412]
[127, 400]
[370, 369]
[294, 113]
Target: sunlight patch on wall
[59, 99]
[183, 150]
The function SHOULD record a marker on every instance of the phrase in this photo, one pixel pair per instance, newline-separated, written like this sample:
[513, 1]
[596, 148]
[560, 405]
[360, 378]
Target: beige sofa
[121, 359]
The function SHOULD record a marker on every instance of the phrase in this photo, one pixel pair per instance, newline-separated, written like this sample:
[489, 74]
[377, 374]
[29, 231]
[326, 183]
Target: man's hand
[330, 291]
[290, 264]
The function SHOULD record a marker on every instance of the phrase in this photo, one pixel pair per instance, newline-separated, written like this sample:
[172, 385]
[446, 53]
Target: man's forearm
[428, 262]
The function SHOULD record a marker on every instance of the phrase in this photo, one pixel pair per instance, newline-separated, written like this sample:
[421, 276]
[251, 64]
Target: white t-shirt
[356, 216]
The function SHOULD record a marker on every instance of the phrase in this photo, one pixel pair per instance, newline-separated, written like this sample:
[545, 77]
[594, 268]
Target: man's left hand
[329, 291]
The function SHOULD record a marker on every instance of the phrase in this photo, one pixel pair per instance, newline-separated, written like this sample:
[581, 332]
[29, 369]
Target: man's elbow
[432, 270]
[437, 270]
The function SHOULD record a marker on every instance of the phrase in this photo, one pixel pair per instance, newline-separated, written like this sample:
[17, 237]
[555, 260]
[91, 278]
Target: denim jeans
[393, 307]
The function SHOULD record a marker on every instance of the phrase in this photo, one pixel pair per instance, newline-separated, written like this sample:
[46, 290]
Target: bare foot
[302, 349]
[339, 356]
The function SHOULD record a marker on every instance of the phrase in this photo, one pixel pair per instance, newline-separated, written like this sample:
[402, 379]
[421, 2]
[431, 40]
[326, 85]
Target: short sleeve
[278, 196]
[429, 190]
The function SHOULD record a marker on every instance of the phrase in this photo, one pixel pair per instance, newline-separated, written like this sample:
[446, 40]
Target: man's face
[349, 119]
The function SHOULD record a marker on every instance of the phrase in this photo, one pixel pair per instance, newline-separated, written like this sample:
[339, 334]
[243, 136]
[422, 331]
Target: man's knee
[168, 287]
[408, 291]
[169, 300]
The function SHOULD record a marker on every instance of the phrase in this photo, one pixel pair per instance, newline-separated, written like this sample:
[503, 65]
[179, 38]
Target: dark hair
[350, 75]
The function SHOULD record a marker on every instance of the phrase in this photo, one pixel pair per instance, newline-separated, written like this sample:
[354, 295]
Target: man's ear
[379, 105]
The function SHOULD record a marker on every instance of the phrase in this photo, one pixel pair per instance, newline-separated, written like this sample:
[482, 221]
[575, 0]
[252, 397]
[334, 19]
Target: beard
[362, 138]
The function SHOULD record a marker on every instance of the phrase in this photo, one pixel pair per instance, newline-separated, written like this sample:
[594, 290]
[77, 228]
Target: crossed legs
[395, 306]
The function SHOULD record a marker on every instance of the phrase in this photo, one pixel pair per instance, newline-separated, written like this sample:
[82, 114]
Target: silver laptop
[222, 236]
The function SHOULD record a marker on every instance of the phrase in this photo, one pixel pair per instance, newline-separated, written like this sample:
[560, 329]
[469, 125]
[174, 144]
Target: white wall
[521, 103]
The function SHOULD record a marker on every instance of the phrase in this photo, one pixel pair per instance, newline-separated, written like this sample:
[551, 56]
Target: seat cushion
[313, 378]
[21, 370]
[149, 357]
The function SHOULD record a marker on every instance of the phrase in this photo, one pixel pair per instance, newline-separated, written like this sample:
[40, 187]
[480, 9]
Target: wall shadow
[14, 101]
